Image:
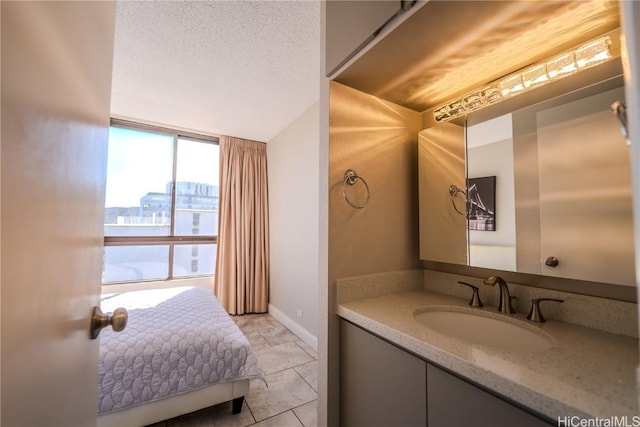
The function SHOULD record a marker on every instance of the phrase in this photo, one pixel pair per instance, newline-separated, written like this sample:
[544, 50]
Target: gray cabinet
[383, 385]
[380, 384]
[350, 25]
[454, 402]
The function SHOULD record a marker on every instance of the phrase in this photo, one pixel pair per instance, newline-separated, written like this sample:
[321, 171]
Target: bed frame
[187, 400]
[177, 405]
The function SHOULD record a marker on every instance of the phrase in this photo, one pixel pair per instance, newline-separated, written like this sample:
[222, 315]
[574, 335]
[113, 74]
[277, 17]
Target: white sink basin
[484, 328]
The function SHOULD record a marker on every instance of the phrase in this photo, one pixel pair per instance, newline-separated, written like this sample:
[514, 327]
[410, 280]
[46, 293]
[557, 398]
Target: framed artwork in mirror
[481, 203]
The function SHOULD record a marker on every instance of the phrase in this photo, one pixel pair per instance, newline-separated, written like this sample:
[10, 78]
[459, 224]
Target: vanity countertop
[588, 373]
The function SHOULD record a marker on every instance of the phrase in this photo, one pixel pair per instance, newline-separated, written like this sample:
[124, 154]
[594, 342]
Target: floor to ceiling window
[161, 205]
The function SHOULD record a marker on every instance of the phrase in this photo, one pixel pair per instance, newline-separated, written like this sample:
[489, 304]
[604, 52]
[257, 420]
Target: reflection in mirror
[490, 154]
[584, 184]
[442, 207]
[562, 200]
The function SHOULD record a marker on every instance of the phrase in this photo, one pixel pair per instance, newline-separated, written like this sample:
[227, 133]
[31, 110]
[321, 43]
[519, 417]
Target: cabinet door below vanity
[455, 402]
[380, 384]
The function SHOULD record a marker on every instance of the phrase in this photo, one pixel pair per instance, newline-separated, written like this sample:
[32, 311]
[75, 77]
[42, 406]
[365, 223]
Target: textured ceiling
[239, 68]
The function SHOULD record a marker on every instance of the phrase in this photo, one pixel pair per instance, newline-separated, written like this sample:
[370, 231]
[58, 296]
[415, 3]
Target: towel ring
[350, 177]
[619, 108]
[453, 192]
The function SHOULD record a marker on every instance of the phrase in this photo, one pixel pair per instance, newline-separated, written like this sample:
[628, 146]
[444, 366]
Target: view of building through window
[161, 206]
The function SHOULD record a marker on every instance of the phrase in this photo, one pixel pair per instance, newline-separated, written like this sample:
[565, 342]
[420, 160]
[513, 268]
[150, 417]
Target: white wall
[293, 174]
[490, 153]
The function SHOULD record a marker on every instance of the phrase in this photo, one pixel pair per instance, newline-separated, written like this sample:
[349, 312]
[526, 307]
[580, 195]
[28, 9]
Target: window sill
[202, 282]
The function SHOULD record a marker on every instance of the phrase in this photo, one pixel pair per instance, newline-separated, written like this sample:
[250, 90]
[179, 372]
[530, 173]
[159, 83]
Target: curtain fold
[241, 281]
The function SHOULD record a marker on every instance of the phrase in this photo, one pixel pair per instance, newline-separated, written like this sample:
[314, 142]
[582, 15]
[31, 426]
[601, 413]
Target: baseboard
[294, 327]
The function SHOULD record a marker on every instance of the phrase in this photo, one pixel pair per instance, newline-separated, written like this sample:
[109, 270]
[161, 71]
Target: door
[56, 84]
[455, 402]
[584, 185]
[631, 60]
[352, 25]
[380, 384]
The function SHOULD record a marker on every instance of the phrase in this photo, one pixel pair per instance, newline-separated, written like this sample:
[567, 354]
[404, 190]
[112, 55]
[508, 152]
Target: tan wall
[379, 141]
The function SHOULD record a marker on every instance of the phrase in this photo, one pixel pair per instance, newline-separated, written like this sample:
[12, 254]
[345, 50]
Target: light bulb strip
[582, 57]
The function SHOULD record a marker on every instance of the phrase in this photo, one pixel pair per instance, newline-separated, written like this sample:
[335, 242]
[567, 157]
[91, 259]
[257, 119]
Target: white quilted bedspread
[176, 340]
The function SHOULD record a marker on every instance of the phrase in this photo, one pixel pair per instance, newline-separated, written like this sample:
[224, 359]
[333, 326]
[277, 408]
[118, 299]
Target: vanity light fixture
[582, 57]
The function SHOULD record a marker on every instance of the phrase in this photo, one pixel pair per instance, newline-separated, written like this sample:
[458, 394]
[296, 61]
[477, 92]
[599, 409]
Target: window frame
[172, 239]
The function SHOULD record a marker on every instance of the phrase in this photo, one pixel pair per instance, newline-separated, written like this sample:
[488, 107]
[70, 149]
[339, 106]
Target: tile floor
[290, 367]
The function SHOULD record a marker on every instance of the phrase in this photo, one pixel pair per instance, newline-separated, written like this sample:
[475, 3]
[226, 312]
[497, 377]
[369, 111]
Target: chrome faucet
[505, 299]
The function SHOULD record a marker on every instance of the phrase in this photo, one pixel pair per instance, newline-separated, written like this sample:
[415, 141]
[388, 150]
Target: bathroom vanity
[557, 218]
[386, 385]
[393, 367]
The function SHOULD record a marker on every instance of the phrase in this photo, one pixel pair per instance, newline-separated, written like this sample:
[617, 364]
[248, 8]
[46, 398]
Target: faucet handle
[535, 315]
[475, 298]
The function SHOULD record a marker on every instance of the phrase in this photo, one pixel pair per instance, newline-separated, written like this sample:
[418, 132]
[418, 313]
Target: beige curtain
[241, 281]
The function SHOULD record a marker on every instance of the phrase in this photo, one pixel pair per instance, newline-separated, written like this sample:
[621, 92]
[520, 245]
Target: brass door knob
[99, 320]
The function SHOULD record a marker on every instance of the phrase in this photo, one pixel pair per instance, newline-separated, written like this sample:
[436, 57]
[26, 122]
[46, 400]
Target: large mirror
[545, 189]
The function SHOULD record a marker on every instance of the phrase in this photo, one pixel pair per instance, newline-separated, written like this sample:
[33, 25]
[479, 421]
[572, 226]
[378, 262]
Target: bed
[180, 352]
